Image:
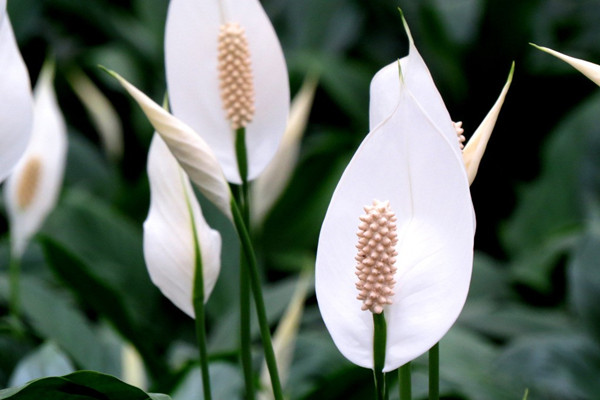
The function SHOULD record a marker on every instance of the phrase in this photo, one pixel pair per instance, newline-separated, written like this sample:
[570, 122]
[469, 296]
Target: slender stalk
[258, 300]
[434, 372]
[198, 302]
[404, 380]
[14, 271]
[379, 343]
[245, 328]
[198, 299]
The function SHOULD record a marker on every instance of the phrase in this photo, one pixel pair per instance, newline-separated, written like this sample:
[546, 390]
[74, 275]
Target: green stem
[404, 380]
[258, 300]
[198, 300]
[379, 344]
[245, 328]
[434, 372]
[14, 271]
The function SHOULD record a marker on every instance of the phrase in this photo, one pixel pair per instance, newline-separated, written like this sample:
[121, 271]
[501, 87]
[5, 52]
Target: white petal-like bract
[411, 158]
[589, 69]
[16, 103]
[191, 52]
[193, 154]
[169, 240]
[33, 187]
[473, 151]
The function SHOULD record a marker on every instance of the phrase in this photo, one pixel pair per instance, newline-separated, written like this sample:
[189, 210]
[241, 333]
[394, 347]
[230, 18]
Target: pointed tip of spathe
[406, 28]
[511, 73]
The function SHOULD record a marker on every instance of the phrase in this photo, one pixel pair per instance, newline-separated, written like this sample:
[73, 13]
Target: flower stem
[244, 205]
[198, 299]
[404, 380]
[258, 300]
[14, 271]
[379, 344]
[434, 372]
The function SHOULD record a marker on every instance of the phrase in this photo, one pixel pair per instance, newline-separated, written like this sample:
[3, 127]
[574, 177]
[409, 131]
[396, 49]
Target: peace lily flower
[16, 106]
[33, 187]
[175, 227]
[591, 70]
[226, 71]
[402, 216]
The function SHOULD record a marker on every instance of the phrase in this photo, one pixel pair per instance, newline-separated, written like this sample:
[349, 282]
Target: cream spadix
[226, 70]
[33, 187]
[16, 102]
[412, 159]
[175, 225]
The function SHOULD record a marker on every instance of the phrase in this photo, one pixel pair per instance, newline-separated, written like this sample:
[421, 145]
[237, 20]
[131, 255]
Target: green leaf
[226, 383]
[97, 252]
[45, 361]
[466, 364]
[538, 220]
[53, 316]
[584, 282]
[82, 385]
[553, 366]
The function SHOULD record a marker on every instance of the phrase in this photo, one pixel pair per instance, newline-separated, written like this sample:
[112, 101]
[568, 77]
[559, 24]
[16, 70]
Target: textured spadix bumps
[195, 78]
[412, 159]
[376, 258]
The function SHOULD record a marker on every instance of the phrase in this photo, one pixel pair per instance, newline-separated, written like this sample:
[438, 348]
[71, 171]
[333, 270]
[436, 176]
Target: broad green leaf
[225, 379]
[53, 316]
[584, 282]
[98, 253]
[47, 360]
[466, 364]
[553, 366]
[81, 385]
[552, 209]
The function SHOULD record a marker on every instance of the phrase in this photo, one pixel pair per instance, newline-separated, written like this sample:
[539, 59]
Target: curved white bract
[412, 159]
[169, 241]
[191, 52]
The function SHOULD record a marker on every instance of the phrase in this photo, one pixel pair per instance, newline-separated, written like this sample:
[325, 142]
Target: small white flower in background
[191, 151]
[33, 187]
[16, 103]
[174, 227]
[404, 202]
[269, 185]
[591, 70]
[226, 70]
[102, 114]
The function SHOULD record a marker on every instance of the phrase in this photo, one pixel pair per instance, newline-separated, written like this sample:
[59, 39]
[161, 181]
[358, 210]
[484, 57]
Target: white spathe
[169, 240]
[589, 69]
[47, 153]
[193, 83]
[192, 152]
[411, 158]
[473, 151]
[16, 103]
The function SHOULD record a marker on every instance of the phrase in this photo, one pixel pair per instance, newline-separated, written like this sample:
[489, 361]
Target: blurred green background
[532, 319]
